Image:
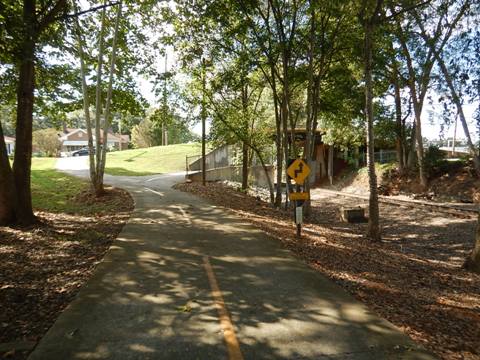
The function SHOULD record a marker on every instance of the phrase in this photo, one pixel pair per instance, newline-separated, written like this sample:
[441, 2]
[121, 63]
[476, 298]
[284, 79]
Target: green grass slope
[56, 192]
[149, 161]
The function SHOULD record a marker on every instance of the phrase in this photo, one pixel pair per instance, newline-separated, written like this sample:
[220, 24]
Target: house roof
[70, 132]
[111, 136]
[115, 137]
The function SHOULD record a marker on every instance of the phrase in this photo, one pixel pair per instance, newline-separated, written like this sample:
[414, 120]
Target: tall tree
[442, 17]
[451, 84]
[28, 24]
[113, 32]
[370, 14]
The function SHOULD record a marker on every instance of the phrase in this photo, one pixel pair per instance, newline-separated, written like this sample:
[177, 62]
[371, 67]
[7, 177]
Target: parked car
[81, 152]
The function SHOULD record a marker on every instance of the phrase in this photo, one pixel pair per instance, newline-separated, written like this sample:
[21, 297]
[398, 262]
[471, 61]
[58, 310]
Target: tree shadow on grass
[119, 171]
[130, 159]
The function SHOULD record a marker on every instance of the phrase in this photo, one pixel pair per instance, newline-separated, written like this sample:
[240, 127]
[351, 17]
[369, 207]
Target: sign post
[298, 171]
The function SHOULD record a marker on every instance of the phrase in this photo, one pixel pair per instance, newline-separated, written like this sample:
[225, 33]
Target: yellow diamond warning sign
[298, 171]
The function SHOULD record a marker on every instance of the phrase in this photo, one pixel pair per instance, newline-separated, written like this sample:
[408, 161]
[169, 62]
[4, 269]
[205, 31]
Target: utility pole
[203, 116]
[164, 106]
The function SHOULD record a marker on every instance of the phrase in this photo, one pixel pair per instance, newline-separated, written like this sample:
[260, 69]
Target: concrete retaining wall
[256, 176]
[218, 158]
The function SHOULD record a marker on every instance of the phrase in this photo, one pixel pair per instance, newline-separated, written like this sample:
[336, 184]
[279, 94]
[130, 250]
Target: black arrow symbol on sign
[299, 170]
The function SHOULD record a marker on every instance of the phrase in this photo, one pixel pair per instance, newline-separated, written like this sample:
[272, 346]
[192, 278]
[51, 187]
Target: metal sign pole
[298, 218]
[299, 212]
[298, 170]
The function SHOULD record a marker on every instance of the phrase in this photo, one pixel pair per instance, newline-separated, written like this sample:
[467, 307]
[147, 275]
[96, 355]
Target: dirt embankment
[453, 182]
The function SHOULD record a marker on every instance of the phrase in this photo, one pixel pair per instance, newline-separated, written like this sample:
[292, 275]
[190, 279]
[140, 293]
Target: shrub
[435, 162]
[46, 142]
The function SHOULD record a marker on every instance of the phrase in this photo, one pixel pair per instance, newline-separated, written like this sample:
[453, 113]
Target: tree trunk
[456, 99]
[411, 149]
[203, 115]
[310, 134]
[244, 166]
[279, 161]
[7, 185]
[163, 133]
[399, 124]
[245, 126]
[97, 181]
[417, 100]
[357, 157]
[285, 112]
[436, 51]
[25, 99]
[107, 122]
[86, 99]
[267, 174]
[472, 263]
[373, 231]
[330, 163]
[419, 140]
[278, 141]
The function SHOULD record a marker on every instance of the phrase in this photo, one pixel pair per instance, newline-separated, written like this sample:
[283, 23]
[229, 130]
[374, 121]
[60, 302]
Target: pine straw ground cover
[44, 266]
[413, 278]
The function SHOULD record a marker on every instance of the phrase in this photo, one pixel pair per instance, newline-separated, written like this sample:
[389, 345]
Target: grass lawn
[149, 161]
[57, 192]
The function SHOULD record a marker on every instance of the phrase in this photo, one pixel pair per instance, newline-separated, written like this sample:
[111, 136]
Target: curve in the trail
[188, 280]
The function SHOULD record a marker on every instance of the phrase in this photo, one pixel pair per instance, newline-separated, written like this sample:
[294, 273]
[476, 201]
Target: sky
[146, 87]
[431, 114]
[430, 130]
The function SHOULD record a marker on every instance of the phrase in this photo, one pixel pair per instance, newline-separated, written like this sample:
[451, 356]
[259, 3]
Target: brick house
[75, 139]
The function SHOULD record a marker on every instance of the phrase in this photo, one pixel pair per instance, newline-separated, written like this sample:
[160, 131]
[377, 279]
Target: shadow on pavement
[150, 298]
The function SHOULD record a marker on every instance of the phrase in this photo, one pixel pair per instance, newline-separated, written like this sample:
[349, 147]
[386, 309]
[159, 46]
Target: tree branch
[50, 17]
[93, 9]
[410, 8]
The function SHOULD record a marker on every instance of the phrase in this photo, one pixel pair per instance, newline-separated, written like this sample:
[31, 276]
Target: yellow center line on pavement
[233, 346]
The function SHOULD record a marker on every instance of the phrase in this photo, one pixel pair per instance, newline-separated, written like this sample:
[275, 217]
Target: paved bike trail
[189, 280]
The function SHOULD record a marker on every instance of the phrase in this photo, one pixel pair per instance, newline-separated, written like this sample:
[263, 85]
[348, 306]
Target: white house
[75, 139]
[10, 142]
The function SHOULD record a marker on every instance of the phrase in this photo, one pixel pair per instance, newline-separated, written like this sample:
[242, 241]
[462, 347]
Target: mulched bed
[413, 278]
[44, 266]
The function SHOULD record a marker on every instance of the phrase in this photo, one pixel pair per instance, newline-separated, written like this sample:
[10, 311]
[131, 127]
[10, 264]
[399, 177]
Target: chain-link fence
[382, 156]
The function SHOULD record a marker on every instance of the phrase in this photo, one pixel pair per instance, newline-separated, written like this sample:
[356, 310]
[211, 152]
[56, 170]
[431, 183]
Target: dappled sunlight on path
[151, 298]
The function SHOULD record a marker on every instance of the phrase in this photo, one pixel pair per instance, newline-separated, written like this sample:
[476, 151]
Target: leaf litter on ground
[413, 278]
[44, 266]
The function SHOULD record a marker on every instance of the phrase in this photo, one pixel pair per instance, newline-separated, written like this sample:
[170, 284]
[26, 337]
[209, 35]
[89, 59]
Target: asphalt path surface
[189, 280]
